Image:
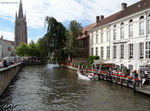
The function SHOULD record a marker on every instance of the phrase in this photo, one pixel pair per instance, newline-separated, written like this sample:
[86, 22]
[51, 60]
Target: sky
[64, 11]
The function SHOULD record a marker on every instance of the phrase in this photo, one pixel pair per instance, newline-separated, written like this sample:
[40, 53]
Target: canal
[53, 88]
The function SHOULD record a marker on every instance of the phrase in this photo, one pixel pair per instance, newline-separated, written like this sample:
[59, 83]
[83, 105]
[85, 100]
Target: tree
[71, 44]
[23, 49]
[42, 49]
[54, 39]
[33, 49]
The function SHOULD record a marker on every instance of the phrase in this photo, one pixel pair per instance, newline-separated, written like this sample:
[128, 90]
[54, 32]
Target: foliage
[42, 49]
[22, 49]
[92, 58]
[71, 44]
[54, 39]
[56, 44]
[28, 50]
[33, 49]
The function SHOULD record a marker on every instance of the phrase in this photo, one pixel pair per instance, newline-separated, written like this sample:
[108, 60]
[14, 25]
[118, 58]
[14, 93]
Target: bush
[92, 58]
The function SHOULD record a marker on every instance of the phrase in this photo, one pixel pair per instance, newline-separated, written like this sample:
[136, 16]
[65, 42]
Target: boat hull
[81, 76]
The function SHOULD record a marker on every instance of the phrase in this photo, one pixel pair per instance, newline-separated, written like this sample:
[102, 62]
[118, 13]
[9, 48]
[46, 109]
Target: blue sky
[83, 11]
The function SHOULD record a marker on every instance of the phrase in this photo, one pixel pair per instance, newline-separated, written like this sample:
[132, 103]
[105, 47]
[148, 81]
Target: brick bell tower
[20, 27]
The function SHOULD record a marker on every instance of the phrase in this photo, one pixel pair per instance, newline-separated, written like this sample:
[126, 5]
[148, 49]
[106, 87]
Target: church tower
[20, 27]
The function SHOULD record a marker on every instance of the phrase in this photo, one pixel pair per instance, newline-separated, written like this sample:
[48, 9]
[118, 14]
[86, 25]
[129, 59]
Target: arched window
[131, 28]
[142, 17]
[122, 31]
[122, 23]
[130, 21]
[148, 24]
[108, 32]
[114, 33]
[141, 26]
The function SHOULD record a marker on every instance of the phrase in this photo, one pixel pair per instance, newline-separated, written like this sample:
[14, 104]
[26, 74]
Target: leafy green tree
[23, 49]
[54, 39]
[33, 49]
[42, 49]
[71, 44]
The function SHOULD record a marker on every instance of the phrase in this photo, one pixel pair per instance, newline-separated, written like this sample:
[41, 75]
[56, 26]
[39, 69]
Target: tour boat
[87, 76]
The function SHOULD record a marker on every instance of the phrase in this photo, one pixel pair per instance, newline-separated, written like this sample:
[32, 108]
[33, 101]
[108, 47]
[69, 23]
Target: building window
[131, 67]
[96, 51]
[122, 31]
[141, 26]
[108, 52]
[148, 26]
[141, 50]
[114, 33]
[102, 52]
[108, 34]
[102, 37]
[96, 38]
[92, 51]
[114, 51]
[121, 51]
[131, 28]
[130, 51]
[147, 49]
[92, 40]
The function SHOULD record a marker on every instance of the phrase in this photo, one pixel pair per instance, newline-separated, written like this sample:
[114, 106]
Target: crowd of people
[5, 62]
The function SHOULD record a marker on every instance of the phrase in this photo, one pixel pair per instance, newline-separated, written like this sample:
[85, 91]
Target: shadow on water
[50, 88]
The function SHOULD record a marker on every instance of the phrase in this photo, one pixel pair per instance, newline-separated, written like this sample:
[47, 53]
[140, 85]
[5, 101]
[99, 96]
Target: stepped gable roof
[137, 7]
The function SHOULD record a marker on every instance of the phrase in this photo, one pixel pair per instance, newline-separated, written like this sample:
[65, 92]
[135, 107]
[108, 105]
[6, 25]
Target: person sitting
[5, 63]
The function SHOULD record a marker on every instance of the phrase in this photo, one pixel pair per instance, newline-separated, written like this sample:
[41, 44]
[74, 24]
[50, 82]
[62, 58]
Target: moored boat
[87, 76]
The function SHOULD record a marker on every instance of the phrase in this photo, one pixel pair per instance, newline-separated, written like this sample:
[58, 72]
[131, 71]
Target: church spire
[20, 27]
[16, 14]
[20, 14]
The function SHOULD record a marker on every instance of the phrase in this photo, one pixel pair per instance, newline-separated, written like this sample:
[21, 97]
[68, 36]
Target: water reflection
[51, 88]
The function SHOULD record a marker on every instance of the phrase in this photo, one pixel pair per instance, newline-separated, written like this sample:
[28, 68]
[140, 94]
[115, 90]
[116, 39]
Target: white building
[124, 37]
[6, 48]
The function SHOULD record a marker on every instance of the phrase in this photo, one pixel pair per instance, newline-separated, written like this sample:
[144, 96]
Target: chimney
[97, 19]
[123, 6]
[101, 17]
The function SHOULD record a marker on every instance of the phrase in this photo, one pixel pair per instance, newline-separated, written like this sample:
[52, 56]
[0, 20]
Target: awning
[136, 62]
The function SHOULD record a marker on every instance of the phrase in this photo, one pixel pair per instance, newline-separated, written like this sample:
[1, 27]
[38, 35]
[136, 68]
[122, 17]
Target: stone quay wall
[7, 74]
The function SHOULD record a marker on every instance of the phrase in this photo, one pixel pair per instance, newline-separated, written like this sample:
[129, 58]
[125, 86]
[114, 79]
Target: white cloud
[7, 35]
[62, 10]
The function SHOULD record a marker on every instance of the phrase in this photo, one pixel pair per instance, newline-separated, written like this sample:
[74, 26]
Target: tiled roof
[86, 29]
[11, 42]
[89, 27]
[137, 7]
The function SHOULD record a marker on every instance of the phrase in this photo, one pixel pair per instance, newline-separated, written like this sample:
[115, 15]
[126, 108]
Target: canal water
[53, 88]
